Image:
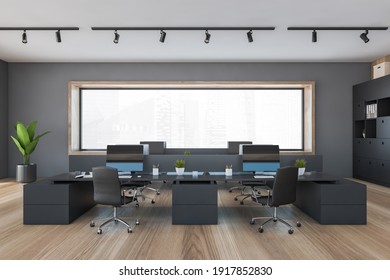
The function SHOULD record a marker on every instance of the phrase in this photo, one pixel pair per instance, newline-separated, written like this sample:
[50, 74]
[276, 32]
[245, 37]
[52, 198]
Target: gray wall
[43, 89]
[3, 118]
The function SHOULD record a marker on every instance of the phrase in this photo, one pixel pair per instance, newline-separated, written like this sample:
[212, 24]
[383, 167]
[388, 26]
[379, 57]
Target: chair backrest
[284, 188]
[107, 187]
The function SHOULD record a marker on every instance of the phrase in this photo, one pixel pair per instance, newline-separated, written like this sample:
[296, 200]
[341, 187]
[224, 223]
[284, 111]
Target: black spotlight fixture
[116, 37]
[163, 34]
[24, 37]
[207, 39]
[58, 36]
[249, 35]
[364, 37]
[314, 36]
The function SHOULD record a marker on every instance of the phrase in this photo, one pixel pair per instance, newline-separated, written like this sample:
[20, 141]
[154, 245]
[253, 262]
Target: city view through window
[191, 118]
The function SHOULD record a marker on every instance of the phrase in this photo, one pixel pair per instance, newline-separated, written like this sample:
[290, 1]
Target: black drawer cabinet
[383, 146]
[371, 155]
[342, 202]
[358, 110]
[48, 203]
[383, 127]
[194, 203]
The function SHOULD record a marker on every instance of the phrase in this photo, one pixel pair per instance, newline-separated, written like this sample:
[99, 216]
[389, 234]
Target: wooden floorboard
[233, 238]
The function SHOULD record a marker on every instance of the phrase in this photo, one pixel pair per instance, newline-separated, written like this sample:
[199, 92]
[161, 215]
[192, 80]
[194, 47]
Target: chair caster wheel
[235, 198]
[116, 221]
[99, 231]
[261, 229]
[158, 192]
[153, 202]
[275, 220]
[137, 205]
[252, 222]
[298, 224]
[230, 190]
[137, 222]
[92, 224]
[242, 202]
[129, 230]
[290, 231]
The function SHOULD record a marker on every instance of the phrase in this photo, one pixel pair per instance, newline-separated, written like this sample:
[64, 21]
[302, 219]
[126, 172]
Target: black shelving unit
[371, 125]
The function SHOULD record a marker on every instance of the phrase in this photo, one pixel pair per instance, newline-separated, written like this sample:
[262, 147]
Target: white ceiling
[279, 45]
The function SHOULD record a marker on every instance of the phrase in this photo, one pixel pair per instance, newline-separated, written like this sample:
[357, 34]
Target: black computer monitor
[126, 158]
[260, 158]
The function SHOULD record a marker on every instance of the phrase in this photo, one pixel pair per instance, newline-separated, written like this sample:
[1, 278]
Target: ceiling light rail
[25, 29]
[314, 30]
[182, 28]
[163, 30]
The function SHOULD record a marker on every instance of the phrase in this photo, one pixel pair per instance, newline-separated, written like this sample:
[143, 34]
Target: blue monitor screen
[126, 166]
[260, 166]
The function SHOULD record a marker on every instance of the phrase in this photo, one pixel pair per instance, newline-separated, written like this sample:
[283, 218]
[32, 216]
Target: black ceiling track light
[58, 36]
[24, 37]
[25, 29]
[364, 37]
[314, 36]
[208, 36]
[163, 34]
[250, 36]
[207, 29]
[116, 37]
[314, 29]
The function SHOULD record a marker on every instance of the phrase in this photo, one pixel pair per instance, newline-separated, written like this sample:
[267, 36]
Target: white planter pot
[301, 171]
[180, 171]
[155, 171]
[228, 172]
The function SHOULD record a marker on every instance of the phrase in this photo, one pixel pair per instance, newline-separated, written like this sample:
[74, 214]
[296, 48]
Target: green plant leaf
[16, 124]
[31, 147]
[41, 135]
[22, 134]
[31, 130]
[21, 149]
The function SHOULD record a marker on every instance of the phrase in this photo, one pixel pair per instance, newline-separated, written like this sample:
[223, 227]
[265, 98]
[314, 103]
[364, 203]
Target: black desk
[326, 198]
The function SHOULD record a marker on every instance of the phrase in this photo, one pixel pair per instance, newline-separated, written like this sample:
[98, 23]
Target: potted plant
[155, 169]
[300, 163]
[229, 170]
[26, 142]
[180, 166]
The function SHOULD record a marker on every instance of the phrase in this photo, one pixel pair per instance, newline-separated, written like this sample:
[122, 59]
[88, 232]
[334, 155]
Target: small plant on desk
[155, 169]
[300, 163]
[180, 166]
[229, 170]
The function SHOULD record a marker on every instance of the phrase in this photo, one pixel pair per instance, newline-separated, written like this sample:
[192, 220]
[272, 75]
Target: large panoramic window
[196, 116]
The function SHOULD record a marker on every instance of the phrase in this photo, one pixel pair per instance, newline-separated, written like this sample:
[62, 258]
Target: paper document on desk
[263, 176]
[217, 173]
[88, 176]
[124, 176]
[200, 173]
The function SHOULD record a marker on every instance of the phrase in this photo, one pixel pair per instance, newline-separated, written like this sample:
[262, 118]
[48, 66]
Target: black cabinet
[48, 203]
[371, 126]
[344, 202]
[194, 202]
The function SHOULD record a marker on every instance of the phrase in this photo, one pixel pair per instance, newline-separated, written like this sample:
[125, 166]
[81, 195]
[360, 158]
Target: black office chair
[247, 188]
[108, 190]
[283, 192]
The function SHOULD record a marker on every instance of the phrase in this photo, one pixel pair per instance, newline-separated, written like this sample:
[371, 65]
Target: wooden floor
[157, 238]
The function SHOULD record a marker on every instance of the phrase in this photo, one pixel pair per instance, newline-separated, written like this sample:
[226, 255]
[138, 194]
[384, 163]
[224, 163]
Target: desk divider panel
[194, 162]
